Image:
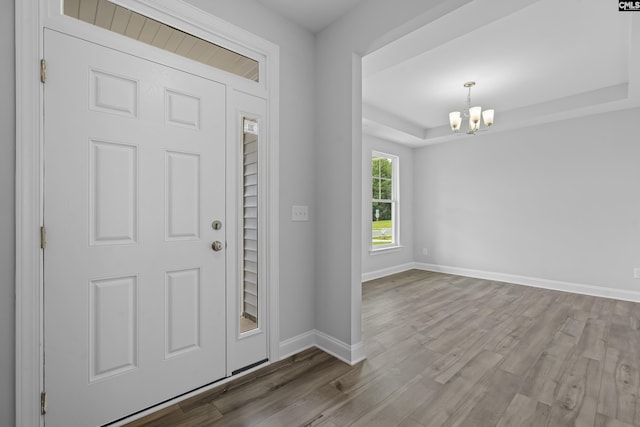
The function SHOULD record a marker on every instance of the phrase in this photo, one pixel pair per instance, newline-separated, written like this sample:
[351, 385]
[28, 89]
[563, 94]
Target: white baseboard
[387, 271]
[576, 288]
[353, 354]
[297, 344]
[350, 354]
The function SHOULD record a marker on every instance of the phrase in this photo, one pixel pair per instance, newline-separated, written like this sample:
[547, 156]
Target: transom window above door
[115, 18]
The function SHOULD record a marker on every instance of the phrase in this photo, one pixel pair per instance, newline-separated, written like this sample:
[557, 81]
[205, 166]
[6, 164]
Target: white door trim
[30, 18]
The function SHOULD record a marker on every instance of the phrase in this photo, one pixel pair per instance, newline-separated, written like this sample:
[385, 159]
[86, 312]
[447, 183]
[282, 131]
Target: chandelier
[471, 113]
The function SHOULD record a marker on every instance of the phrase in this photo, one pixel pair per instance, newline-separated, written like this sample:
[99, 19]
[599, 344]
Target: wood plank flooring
[446, 350]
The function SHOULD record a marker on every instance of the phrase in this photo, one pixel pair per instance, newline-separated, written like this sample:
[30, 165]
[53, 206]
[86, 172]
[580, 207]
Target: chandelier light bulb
[474, 114]
[474, 125]
[455, 121]
[487, 117]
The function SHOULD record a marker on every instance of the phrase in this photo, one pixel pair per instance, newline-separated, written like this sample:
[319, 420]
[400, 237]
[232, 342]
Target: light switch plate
[300, 213]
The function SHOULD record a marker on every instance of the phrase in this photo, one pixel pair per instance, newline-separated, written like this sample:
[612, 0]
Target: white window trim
[385, 250]
[395, 214]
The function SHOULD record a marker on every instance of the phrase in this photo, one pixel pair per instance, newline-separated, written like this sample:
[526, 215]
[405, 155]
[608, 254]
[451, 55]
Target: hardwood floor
[446, 350]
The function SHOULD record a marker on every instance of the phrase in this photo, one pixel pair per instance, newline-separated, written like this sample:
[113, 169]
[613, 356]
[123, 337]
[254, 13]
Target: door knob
[216, 246]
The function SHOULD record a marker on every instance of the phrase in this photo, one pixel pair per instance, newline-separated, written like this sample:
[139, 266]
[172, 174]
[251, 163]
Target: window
[118, 19]
[384, 200]
[249, 295]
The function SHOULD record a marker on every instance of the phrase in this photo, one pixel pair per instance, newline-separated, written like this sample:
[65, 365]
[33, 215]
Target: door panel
[134, 295]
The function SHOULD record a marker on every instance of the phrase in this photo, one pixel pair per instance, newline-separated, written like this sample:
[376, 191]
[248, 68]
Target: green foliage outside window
[382, 200]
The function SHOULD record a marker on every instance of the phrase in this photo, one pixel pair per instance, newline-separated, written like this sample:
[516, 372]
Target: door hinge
[43, 237]
[43, 70]
[43, 402]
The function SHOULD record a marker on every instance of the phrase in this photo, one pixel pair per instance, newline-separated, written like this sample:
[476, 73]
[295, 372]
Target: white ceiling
[314, 15]
[534, 61]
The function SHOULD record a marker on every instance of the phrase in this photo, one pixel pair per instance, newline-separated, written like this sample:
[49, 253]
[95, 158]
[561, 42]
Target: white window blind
[250, 227]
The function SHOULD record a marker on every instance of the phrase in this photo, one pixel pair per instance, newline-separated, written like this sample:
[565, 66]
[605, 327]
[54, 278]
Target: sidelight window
[249, 294]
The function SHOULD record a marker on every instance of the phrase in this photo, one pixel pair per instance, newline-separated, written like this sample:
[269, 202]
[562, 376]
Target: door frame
[31, 16]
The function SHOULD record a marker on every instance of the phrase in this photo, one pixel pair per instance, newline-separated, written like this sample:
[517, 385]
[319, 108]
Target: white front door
[134, 293]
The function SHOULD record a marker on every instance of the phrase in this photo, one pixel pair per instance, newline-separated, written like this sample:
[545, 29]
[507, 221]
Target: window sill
[385, 250]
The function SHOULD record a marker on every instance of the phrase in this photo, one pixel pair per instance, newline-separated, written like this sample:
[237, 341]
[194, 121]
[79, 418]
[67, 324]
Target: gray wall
[557, 201]
[7, 216]
[373, 262]
[339, 150]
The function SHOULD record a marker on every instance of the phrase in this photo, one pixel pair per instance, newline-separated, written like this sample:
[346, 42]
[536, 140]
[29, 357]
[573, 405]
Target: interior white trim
[536, 282]
[181, 15]
[350, 354]
[383, 272]
[28, 215]
[297, 344]
[355, 351]
[272, 196]
[30, 18]
[386, 250]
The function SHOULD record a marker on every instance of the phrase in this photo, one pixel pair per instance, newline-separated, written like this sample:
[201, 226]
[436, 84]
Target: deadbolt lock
[216, 225]
[216, 246]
